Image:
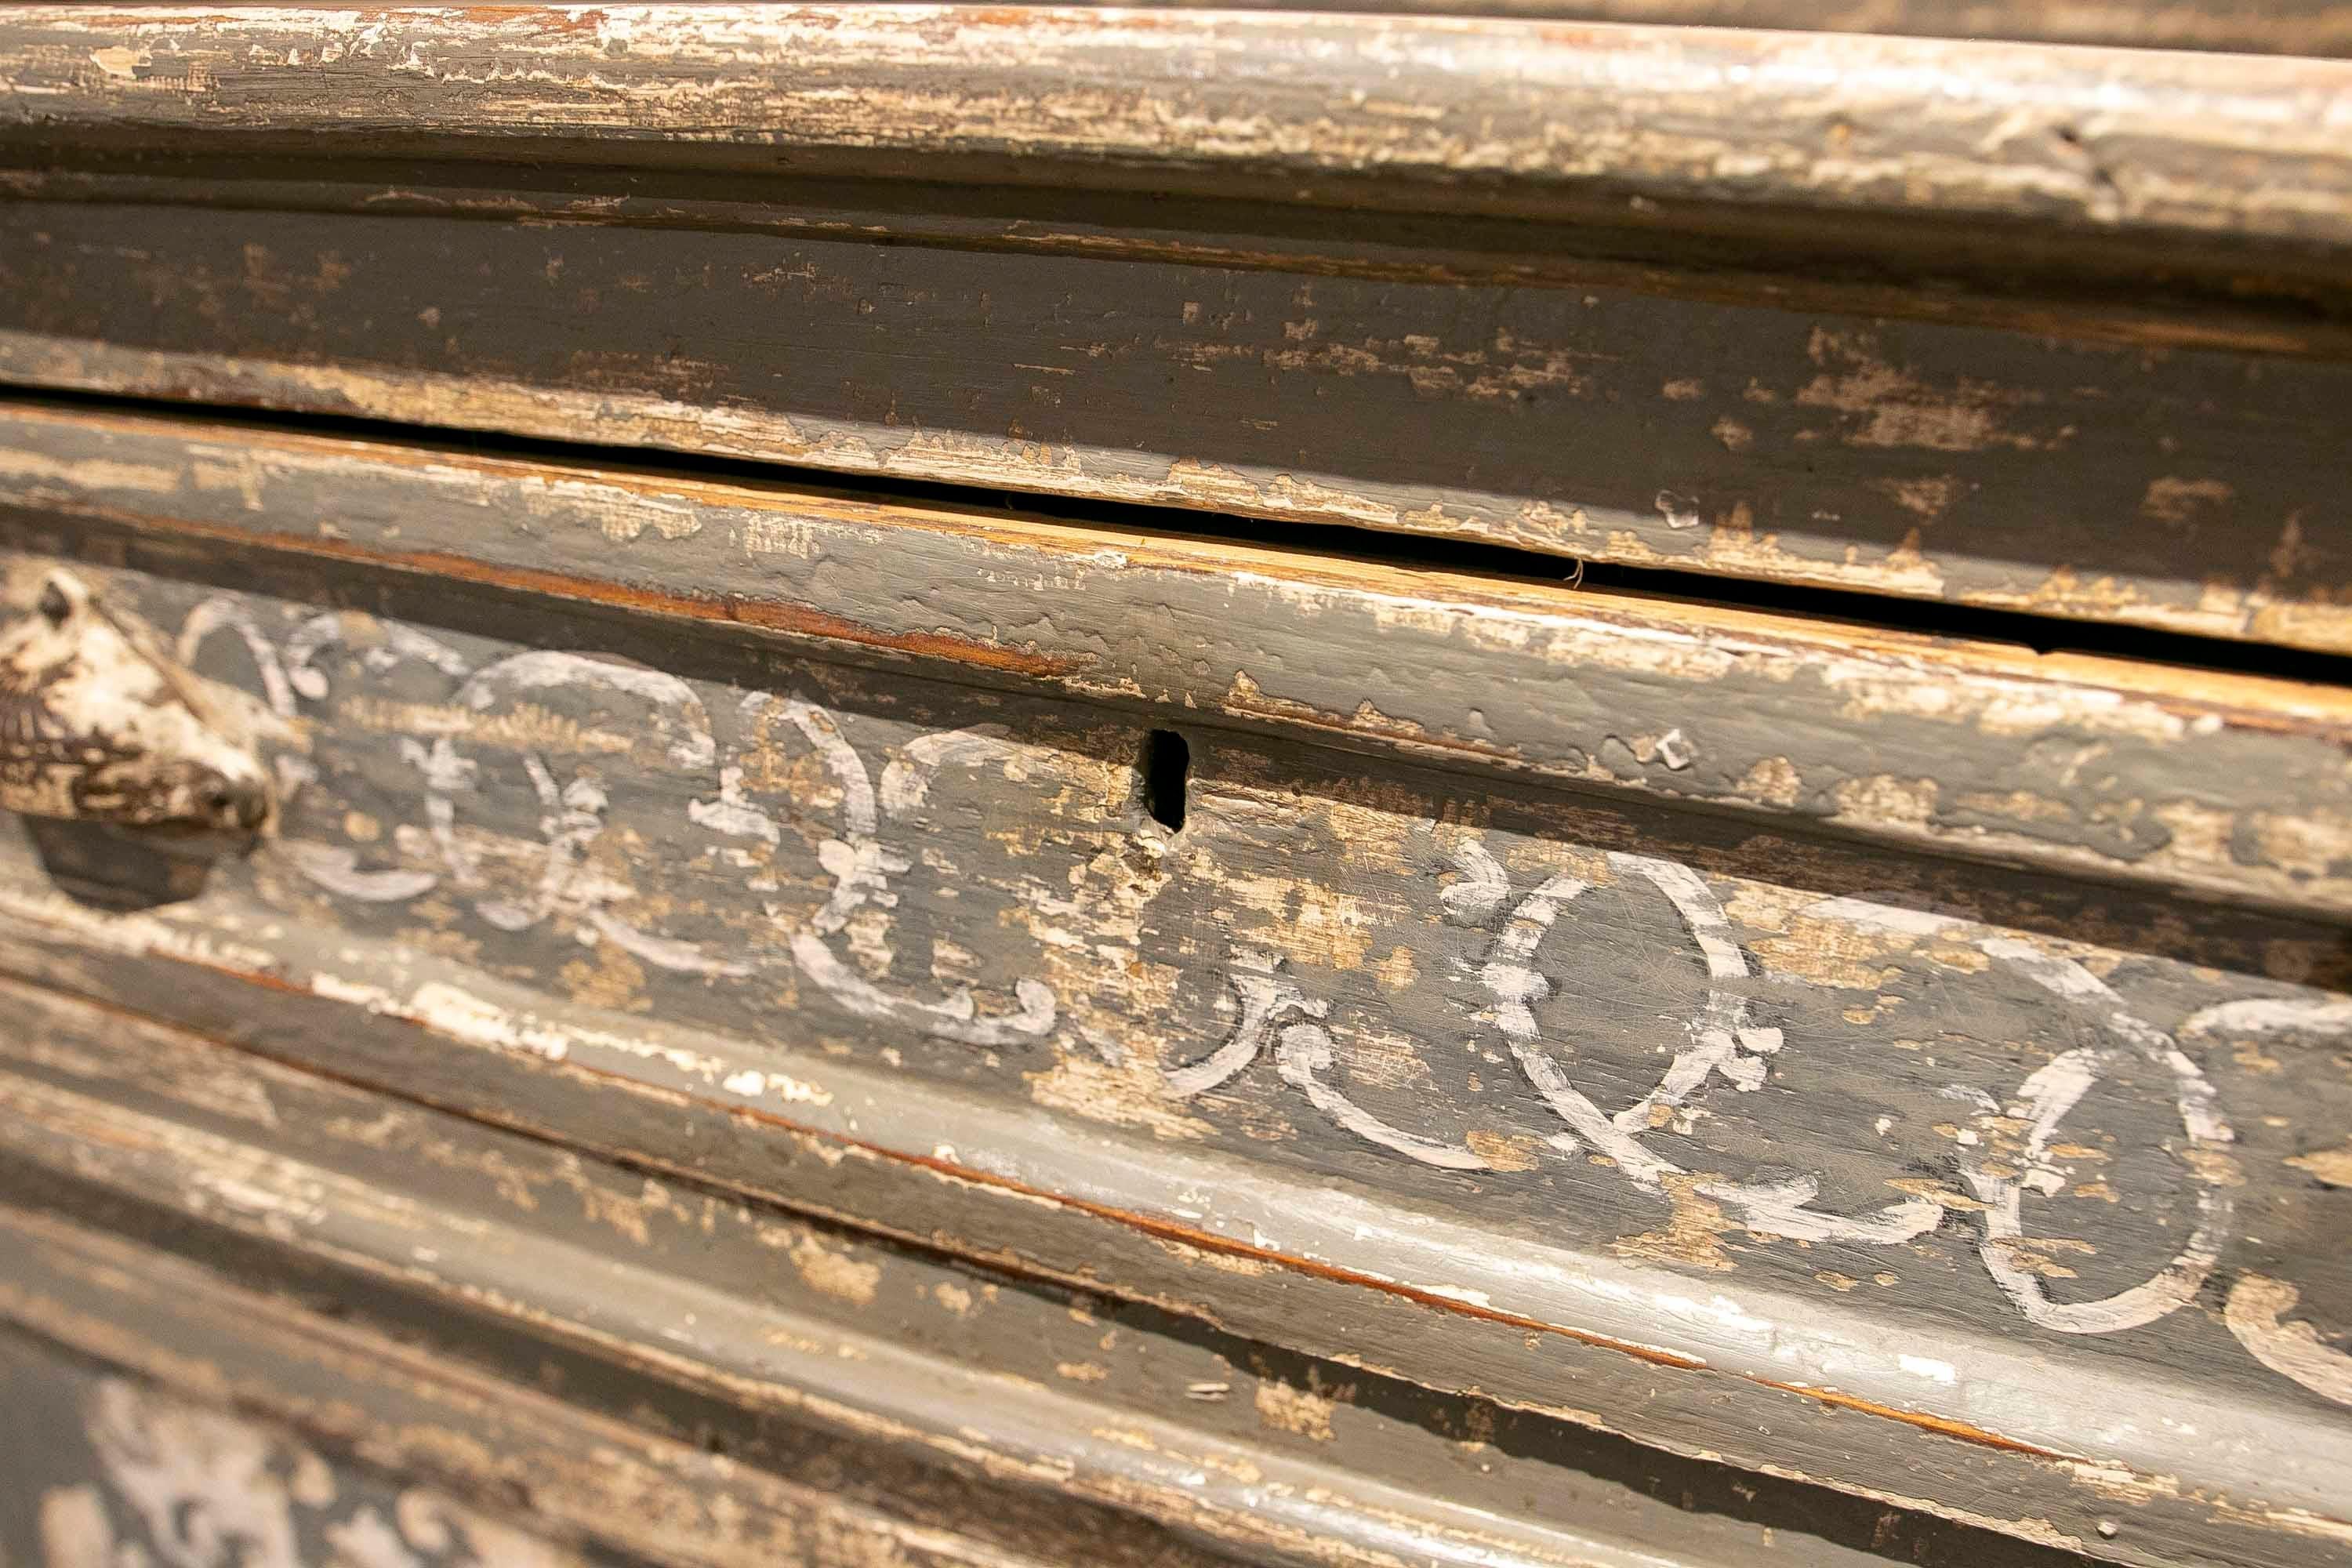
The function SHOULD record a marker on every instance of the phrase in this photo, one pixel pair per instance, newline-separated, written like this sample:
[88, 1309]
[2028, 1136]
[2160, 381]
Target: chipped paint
[2256, 1313]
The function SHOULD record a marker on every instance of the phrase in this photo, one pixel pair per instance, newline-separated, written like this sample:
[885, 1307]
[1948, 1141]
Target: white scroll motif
[333, 867]
[2258, 1305]
[1264, 994]
[200, 1489]
[1302, 1049]
[1722, 1043]
[2043, 1101]
[204, 1486]
[225, 614]
[1305, 1049]
[573, 813]
[222, 613]
[861, 867]
[2256, 1313]
[521, 886]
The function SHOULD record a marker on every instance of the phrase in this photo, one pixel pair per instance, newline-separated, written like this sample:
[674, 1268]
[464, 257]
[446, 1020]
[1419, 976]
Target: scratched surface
[970, 1408]
[364, 1439]
[1899, 1155]
[2185, 489]
[2167, 777]
[2101, 146]
[886, 1029]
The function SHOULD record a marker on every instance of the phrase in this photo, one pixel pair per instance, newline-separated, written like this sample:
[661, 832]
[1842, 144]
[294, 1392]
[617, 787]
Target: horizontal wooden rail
[2287, 27]
[792, 1345]
[2228, 786]
[1647, 124]
[778, 1322]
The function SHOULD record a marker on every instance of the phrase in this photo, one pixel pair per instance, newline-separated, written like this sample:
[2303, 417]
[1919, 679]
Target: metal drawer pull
[133, 771]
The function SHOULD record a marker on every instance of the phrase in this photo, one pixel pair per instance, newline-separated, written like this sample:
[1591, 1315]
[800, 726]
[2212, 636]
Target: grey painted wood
[2295, 28]
[1649, 331]
[102, 1468]
[1738, 1146]
[929, 1033]
[2196, 491]
[990, 1418]
[168, 1414]
[1399, 111]
[2229, 786]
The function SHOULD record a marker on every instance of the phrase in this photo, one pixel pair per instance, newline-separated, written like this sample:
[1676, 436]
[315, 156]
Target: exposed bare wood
[800, 1352]
[1354, 1062]
[414, 1218]
[1416, 112]
[2186, 492]
[2230, 785]
[904, 1026]
[2293, 27]
[408, 1439]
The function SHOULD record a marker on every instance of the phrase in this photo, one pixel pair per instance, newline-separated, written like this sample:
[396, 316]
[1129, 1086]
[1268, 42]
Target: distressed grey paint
[2111, 146]
[2224, 785]
[1726, 1099]
[455, 1462]
[1905, 1051]
[2177, 488]
[102, 1468]
[1057, 1424]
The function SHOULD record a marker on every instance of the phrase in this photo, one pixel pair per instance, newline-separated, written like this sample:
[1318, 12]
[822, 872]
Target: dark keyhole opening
[1166, 759]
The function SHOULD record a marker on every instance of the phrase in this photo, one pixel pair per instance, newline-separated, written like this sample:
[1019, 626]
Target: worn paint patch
[1301, 1412]
[836, 1272]
[2333, 1166]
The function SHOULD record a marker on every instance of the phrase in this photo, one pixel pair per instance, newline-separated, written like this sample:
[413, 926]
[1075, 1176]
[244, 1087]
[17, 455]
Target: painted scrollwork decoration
[1275, 1012]
[515, 888]
[510, 815]
[175, 1485]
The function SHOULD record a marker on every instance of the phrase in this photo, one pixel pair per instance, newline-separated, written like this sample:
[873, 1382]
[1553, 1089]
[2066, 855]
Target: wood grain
[461, 1242]
[165, 1408]
[2190, 491]
[1411, 112]
[2228, 786]
[841, 1395]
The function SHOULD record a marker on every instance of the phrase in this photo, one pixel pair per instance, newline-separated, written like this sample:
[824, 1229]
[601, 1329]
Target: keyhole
[1166, 760]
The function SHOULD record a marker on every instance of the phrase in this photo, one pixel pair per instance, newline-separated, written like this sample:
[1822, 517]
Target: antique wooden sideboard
[886, 785]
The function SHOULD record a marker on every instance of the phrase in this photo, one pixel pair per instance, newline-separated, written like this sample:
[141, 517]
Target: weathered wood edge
[1749, 1379]
[396, 1411]
[2298, 27]
[784, 1323]
[1477, 115]
[422, 1420]
[2188, 492]
[2238, 779]
[2009, 285]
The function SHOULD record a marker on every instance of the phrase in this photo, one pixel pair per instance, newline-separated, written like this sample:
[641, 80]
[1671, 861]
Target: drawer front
[1154, 789]
[977, 916]
[2165, 778]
